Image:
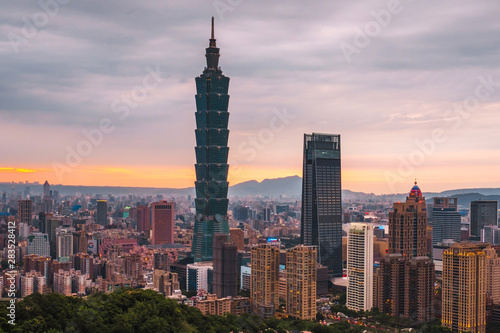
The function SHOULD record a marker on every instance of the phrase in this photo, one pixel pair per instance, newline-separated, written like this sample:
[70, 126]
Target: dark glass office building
[446, 220]
[321, 199]
[482, 213]
[211, 155]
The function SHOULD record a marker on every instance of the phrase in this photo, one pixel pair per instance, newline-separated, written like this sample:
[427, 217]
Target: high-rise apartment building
[225, 260]
[404, 283]
[84, 263]
[163, 222]
[24, 211]
[64, 244]
[32, 282]
[264, 285]
[212, 135]
[301, 262]
[62, 282]
[446, 220]
[165, 282]
[492, 264]
[102, 212]
[482, 213]
[464, 288]
[360, 267]
[408, 225]
[321, 218]
[38, 243]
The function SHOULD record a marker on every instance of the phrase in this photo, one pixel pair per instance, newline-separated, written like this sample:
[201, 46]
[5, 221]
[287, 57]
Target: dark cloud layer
[279, 55]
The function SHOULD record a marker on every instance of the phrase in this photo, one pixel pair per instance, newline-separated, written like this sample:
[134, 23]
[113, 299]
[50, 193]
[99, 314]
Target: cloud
[285, 54]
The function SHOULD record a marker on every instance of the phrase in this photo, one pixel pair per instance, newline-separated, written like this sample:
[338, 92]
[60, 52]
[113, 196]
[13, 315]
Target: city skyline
[392, 96]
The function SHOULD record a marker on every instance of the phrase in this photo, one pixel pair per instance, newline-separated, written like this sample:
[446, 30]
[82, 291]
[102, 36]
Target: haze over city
[388, 84]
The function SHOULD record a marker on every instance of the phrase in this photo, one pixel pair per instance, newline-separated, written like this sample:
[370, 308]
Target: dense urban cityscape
[289, 254]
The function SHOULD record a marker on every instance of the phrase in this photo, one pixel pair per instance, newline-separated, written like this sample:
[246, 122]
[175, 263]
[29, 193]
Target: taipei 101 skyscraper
[211, 155]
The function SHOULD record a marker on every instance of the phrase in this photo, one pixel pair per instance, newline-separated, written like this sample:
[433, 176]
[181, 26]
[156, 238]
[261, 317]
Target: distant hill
[465, 198]
[290, 187]
[287, 186]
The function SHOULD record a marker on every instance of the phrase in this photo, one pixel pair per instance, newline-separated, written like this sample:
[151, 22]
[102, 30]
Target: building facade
[404, 282]
[446, 220]
[301, 262]
[464, 288]
[24, 211]
[142, 216]
[64, 244]
[321, 218]
[163, 222]
[482, 213]
[360, 267]
[264, 280]
[199, 276]
[212, 135]
[237, 236]
[102, 212]
[165, 282]
[225, 261]
[38, 243]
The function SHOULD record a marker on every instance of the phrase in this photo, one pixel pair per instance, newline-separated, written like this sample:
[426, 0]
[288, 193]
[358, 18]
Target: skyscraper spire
[212, 54]
[212, 39]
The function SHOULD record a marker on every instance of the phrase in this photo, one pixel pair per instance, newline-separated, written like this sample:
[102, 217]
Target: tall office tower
[264, 280]
[321, 218]
[211, 155]
[446, 220]
[301, 271]
[38, 243]
[163, 221]
[47, 205]
[46, 189]
[102, 212]
[24, 211]
[482, 213]
[360, 267]
[464, 288]
[405, 280]
[64, 244]
[142, 217]
[225, 267]
[49, 227]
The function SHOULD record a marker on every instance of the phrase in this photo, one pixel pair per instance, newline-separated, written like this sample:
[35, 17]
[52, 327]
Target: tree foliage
[130, 310]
